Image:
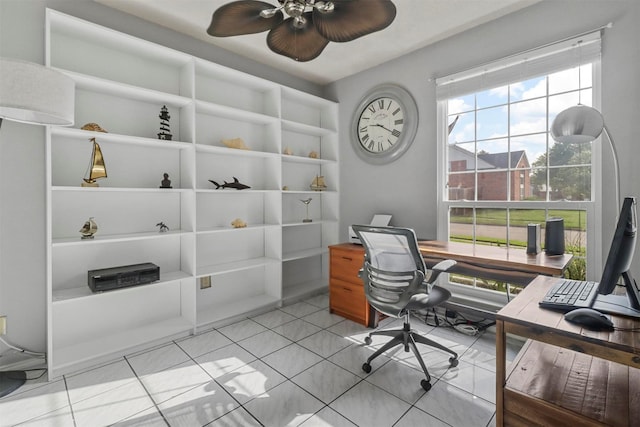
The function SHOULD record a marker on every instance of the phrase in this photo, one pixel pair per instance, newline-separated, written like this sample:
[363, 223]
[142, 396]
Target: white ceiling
[418, 23]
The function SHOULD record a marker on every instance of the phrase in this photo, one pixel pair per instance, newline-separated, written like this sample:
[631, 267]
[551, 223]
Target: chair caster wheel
[367, 340]
[453, 362]
[366, 367]
[426, 385]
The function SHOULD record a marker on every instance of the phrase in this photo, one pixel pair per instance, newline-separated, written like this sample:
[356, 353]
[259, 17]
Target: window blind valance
[547, 59]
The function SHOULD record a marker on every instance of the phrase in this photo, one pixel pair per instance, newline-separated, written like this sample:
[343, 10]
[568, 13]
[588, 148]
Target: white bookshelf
[210, 271]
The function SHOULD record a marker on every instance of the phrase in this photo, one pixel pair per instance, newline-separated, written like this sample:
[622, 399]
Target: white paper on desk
[380, 220]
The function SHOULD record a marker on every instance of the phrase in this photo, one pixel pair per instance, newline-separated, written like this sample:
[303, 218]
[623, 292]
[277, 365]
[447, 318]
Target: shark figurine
[235, 184]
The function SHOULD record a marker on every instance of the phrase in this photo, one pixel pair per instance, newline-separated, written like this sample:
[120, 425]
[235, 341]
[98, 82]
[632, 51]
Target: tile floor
[297, 365]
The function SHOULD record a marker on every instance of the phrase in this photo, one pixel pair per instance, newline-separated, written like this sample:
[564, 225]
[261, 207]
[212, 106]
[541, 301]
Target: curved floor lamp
[583, 124]
[32, 93]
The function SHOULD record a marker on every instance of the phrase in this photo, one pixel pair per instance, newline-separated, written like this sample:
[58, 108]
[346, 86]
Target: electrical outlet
[205, 282]
[3, 325]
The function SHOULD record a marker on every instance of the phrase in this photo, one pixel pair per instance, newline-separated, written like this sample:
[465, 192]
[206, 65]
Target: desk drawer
[345, 265]
[348, 300]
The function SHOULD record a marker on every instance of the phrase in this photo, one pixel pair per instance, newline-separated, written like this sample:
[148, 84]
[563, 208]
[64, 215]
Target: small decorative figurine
[237, 143]
[314, 155]
[306, 202]
[318, 183]
[238, 223]
[235, 184]
[165, 132]
[285, 188]
[288, 151]
[94, 127]
[163, 227]
[89, 229]
[97, 169]
[166, 182]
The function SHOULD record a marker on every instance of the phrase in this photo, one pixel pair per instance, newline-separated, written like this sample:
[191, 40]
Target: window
[501, 170]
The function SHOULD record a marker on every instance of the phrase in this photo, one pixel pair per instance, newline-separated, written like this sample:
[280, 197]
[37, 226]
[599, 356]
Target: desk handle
[347, 289]
[347, 258]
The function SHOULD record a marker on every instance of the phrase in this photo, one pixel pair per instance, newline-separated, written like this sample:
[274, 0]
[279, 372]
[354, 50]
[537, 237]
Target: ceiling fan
[310, 24]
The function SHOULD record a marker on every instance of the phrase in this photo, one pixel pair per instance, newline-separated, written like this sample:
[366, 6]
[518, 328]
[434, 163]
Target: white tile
[35, 403]
[112, 406]
[264, 343]
[174, 381]
[326, 381]
[273, 318]
[296, 330]
[198, 406]
[327, 417]
[237, 417]
[250, 380]
[415, 417]
[324, 343]
[323, 318]
[203, 343]
[455, 406]
[157, 359]
[299, 309]
[320, 301]
[355, 332]
[241, 330]
[291, 360]
[61, 417]
[353, 357]
[223, 361]
[285, 405]
[368, 405]
[473, 379]
[149, 418]
[399, 380]
[100, 380]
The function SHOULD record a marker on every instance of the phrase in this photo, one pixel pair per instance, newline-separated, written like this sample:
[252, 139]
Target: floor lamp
[583, 124]
[32, 93]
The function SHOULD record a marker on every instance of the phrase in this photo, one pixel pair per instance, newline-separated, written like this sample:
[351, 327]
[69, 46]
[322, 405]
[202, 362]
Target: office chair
[394, 281]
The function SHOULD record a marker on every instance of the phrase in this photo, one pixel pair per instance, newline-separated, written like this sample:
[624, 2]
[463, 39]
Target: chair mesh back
[392, 265]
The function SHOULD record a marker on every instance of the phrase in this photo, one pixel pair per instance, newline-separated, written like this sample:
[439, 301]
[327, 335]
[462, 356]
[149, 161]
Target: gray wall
[22, 153]
[406, 188]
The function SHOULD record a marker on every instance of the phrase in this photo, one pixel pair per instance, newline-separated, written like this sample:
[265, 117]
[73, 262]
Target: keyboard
[567, 295]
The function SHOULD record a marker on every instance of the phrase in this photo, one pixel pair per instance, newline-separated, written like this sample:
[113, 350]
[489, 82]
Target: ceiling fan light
[324, 6]
[294, 9]
[268, 13]
[299, 22]
[243, 17]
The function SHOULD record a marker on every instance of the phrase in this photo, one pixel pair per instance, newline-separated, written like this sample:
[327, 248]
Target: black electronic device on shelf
[106, 279]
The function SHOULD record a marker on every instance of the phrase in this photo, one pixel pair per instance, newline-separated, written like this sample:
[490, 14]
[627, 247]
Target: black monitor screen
[622, 248]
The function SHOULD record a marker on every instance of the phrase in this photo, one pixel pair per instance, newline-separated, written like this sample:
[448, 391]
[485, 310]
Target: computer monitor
[618, 265]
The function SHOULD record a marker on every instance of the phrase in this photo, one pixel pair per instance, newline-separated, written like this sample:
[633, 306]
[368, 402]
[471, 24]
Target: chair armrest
[440, 267]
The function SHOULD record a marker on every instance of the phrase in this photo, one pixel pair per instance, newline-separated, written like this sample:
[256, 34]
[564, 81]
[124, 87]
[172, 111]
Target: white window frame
[591, 207]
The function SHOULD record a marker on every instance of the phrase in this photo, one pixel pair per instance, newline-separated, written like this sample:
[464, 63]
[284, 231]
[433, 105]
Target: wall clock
[384, 124]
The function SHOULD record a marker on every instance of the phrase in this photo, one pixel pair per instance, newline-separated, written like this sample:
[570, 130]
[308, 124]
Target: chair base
[408, 338]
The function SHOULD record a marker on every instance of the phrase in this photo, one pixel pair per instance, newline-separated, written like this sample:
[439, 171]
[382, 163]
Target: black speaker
[554, 236]
[533, 239]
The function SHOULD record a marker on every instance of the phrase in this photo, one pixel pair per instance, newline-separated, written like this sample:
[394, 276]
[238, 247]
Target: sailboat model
[318, 183]
[96, 169]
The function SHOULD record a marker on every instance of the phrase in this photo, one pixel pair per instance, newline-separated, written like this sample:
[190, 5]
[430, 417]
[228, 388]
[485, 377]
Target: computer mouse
[590, 319]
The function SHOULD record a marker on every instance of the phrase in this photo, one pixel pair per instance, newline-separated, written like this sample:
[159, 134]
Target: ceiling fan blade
[300, 44]
[242, 17]
[351, 19]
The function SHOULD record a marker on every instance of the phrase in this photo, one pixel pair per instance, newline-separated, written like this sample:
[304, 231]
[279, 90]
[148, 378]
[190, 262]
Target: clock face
[384, 124]
[380, 125]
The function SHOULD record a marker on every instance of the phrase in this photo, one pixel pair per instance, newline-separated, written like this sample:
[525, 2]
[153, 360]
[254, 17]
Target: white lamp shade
[577, 124]
[32, 93]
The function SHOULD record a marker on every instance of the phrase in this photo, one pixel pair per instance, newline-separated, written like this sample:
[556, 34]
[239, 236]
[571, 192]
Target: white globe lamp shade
[578, 124]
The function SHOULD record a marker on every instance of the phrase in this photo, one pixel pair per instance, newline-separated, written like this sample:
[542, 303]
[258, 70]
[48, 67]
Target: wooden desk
[565, 375]
[346, 293]
[496, 263]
